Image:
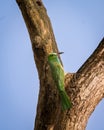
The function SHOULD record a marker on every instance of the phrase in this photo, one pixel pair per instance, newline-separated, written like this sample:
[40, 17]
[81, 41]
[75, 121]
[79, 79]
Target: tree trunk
[85, 88]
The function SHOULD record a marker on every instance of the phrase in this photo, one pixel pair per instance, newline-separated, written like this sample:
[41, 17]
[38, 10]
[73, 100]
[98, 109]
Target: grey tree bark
[85, 87]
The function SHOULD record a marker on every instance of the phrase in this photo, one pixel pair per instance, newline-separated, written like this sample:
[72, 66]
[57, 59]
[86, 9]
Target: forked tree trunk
[85, 88]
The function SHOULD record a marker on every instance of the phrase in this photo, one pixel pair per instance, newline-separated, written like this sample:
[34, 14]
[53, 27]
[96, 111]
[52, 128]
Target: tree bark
[85, 88]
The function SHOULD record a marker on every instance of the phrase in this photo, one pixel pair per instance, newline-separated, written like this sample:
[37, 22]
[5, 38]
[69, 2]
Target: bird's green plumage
[58, 76]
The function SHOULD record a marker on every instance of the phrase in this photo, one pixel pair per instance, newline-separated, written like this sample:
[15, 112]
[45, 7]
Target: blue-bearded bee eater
[58, 77]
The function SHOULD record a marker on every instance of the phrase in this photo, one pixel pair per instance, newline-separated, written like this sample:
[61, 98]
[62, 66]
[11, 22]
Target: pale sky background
[78, 26]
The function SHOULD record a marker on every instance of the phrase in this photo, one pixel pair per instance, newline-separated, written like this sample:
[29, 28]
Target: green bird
[58, 77]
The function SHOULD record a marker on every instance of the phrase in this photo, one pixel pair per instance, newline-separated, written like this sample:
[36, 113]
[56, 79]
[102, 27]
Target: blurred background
[78, 27]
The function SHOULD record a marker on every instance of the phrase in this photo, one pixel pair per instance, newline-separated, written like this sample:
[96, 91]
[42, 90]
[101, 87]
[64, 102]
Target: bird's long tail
[66, 104]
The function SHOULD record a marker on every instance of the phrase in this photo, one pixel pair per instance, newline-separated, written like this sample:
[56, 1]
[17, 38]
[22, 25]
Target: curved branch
[86, 89]
[43, 42]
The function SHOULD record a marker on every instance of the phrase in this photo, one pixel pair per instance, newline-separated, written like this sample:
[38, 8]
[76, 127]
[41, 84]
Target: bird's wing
[59, 75]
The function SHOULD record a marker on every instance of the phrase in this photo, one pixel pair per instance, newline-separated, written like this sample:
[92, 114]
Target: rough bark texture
[85, 88]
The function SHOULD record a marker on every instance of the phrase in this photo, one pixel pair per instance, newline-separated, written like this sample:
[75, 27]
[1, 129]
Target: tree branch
[85, 88]
[43, 42]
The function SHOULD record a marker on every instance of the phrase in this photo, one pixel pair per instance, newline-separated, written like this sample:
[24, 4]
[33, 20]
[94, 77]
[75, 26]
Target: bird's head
[52, 56]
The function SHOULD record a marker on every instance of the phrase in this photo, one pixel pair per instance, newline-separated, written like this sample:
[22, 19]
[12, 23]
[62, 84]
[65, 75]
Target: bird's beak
[60, 53]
